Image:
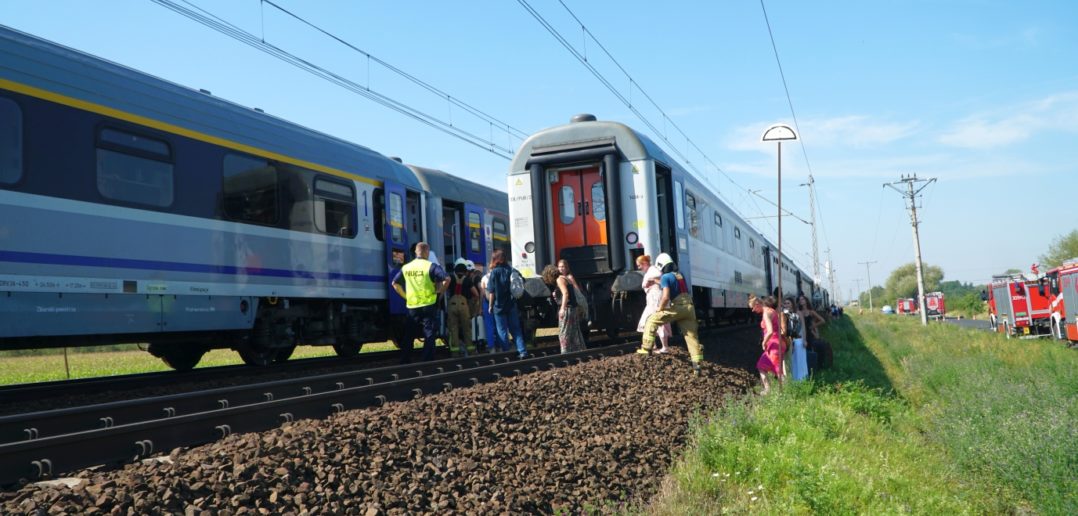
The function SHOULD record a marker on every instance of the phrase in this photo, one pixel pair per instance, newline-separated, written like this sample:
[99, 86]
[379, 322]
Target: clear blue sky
[982, 95]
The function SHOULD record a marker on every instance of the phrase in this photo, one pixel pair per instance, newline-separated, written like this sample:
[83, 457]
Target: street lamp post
[777, 133]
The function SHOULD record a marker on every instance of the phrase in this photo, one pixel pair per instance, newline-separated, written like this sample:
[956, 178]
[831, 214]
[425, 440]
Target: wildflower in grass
[754, 499]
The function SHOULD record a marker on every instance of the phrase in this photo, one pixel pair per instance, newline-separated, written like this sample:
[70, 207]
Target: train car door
[578, 194]
[474, 239]
[396, 240]
[665, 207]
[451, 233]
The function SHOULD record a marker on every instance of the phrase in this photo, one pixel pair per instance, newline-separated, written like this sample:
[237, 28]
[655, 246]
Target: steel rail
[35, 425]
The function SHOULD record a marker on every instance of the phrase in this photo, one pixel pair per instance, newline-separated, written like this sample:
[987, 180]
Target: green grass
[923, 420]
[127, 359]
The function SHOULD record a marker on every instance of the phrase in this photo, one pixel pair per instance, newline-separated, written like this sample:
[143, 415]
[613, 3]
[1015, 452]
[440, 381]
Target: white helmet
[663, 260]
[460, 261]
[470, 264]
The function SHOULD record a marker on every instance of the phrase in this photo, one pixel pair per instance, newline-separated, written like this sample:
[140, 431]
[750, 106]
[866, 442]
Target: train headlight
[632, 238]
[529, 247]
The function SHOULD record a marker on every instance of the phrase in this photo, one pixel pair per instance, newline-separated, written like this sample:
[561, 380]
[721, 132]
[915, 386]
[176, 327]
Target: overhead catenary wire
[222, 26]
[627, 100]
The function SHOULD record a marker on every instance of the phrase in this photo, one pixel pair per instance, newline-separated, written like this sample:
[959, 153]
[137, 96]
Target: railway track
[13, 394]
[48, 444]
[38, 445]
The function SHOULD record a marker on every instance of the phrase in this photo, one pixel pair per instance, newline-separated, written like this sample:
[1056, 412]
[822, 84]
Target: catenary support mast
[910, 195]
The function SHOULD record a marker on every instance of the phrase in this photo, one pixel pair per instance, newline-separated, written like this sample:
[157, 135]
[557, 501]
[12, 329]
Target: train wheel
[347, 348]
[180, 356]
[284, 354]
[257, 357]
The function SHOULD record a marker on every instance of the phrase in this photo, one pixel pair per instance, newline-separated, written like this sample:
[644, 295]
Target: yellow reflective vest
[419, 289]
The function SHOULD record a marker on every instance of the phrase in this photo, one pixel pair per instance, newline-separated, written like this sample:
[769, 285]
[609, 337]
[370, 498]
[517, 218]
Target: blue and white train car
[465, 219]
[598, 194]
[137, 210]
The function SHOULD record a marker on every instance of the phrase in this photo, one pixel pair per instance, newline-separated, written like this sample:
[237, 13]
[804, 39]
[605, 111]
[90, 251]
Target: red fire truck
[906, 306]
[1021, 306]
[1063, 300]
[935, 305]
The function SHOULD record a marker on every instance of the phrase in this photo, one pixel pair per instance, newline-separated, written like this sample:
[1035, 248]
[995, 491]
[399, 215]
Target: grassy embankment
[937, 420]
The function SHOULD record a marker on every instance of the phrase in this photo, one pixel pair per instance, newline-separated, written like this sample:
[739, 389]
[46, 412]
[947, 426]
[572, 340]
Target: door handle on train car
[586, 211]
[580, 208]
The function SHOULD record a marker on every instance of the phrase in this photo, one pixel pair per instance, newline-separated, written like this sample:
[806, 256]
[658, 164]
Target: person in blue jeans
[501, 302]
[494, 342]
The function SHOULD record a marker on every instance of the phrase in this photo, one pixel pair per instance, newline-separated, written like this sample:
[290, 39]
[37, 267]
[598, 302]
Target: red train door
[580, 209]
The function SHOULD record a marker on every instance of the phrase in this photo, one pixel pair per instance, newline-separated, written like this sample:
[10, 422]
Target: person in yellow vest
[675, 305]
[461, 291]
[420, 282]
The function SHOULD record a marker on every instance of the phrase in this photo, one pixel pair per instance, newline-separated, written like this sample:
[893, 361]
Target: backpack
[516, 284]
[793, 325]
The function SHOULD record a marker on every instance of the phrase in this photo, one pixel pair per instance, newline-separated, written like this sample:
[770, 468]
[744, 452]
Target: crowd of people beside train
[480, 309]
[465, 306]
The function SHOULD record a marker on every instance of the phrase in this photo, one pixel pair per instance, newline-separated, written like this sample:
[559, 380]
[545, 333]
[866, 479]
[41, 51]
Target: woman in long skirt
[568, 319]
[771, 360]
[798, 356]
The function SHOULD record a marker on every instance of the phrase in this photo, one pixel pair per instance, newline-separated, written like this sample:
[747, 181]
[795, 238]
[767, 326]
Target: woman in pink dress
[654, 293]
[771, 360]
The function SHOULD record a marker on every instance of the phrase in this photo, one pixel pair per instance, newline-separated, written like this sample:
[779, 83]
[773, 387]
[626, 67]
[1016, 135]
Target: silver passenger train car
[598, 194]
[137, 210]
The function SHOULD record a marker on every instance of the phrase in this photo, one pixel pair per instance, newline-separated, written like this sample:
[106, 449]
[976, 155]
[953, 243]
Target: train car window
[379, 198]
[694, 220]
[598, 201]
[752, 244]
[250, 189]
[567, 205]
[10, 141]
[396, 217]
[679, 204]
[718, 219]
[737, 233]
[335, 208]
[134, 168]
[475, 232]
[500, 230]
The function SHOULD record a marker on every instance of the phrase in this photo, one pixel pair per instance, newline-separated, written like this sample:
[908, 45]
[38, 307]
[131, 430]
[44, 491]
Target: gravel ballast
[589, 437]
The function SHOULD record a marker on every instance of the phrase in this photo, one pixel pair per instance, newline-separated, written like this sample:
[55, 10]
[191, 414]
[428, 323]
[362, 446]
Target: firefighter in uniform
[461, 292]
[680, 310]
[420, 282]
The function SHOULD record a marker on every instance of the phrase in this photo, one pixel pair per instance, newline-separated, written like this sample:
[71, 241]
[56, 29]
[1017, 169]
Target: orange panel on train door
[580, 209]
